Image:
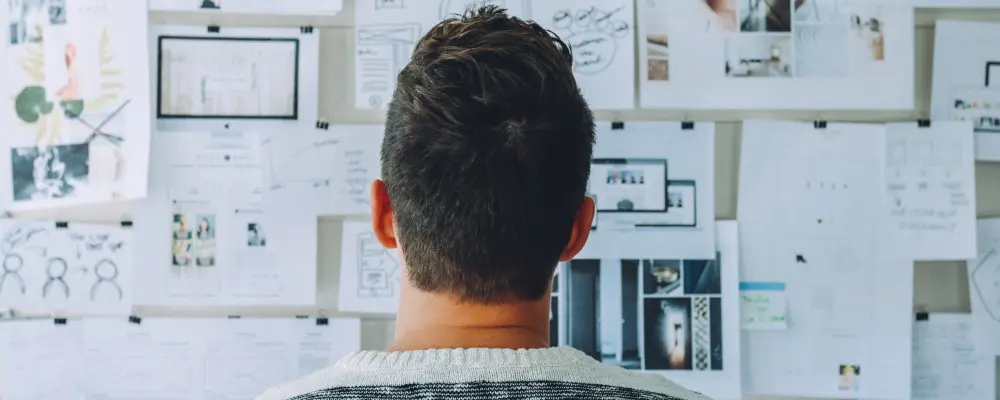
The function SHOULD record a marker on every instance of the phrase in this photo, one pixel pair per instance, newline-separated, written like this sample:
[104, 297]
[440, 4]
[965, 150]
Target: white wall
[940, 286]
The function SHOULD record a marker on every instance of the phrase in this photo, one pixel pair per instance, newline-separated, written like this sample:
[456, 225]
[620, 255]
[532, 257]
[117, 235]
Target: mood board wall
[939, 286]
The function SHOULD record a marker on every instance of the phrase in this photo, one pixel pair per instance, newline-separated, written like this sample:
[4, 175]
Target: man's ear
[382, 225]
[581, 229]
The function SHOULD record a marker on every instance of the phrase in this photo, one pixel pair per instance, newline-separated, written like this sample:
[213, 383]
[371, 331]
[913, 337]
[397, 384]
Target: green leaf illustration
[72, 108]
[30, 104]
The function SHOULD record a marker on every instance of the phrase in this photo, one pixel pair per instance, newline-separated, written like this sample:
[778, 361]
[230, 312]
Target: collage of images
[646, 314]
[637, 191]
[979, 105]
[198, 248]
[780, 38]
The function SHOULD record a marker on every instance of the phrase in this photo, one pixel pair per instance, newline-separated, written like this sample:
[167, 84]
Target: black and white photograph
[602, 310]
[27, 20]
[211, 4]
[57, 12]
[765, 15]
[702, 277]
[667, 333]
[554, 322]
[759, 56]
[661, 277]
[255, 235]
[44, 173]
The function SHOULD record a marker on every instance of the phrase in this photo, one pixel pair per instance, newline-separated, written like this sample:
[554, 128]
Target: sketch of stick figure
[107, 273]
[12, 264]
[376, 268]
[56, 270]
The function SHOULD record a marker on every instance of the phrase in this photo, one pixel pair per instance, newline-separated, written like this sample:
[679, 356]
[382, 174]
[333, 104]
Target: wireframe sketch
[821, 51]
[304, 165]
[765, 15]
[378, 272]
[382, 52]
[228, 78]
[594, 34]
[74, 266]
[70, 95]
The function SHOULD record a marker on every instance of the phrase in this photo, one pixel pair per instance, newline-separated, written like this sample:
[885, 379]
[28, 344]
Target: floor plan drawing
[51, 266]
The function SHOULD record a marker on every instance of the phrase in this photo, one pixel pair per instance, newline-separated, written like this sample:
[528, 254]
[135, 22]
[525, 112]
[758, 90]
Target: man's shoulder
[586, 380]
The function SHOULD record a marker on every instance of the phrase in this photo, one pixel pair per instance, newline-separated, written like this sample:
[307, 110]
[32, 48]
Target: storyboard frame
[736, 58]
[77, 123]
[966, 80]
[296, 106]
[269, 7]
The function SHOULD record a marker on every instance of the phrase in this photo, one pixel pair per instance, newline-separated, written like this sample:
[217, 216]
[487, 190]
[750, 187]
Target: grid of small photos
[651, 314]
[802, 38]
[682, 315]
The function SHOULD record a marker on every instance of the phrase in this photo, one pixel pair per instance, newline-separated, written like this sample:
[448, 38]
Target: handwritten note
[930, 185]
[763, 306]
[360, 167]
[600, 32]
[946, 363]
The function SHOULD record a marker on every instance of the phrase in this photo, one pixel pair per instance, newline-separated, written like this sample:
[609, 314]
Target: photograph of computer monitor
[629, 185]
[681, 207]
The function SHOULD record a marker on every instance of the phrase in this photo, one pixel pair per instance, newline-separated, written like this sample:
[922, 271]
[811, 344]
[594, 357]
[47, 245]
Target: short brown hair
[486, 157]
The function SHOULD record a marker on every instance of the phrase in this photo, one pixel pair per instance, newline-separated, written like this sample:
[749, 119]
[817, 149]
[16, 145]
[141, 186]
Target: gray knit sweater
[555, 373]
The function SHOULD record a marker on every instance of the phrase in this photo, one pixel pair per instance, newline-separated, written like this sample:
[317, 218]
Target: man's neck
[433, 321]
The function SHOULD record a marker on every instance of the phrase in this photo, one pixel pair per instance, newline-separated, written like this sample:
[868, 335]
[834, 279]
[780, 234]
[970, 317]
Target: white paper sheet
[763, 306]
[245, 79]
[76, 114]
[270, 7]
[931, 186]
[40, 360]
[947, 361]
[936, 3]
[322, 172]
[386, 33]
[601, 34]
[164, 358]
[665, 174]
[984, 285]
[205, 235]
[738, 57]
[810, 203]
[58, 267]
[679, 318]
[966, 80]
[369, 273]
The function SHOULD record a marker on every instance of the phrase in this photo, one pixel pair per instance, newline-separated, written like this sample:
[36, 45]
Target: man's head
[485, 160]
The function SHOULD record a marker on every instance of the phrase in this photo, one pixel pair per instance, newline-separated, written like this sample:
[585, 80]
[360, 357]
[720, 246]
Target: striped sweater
[555, 373]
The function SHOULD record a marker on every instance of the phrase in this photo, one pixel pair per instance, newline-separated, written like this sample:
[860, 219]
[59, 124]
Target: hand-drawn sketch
[985, 281]
[593, 34]
[228, 77]
[378, 271]
[389, 4]
[59, 266]
[382, 52]
[301, 166]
